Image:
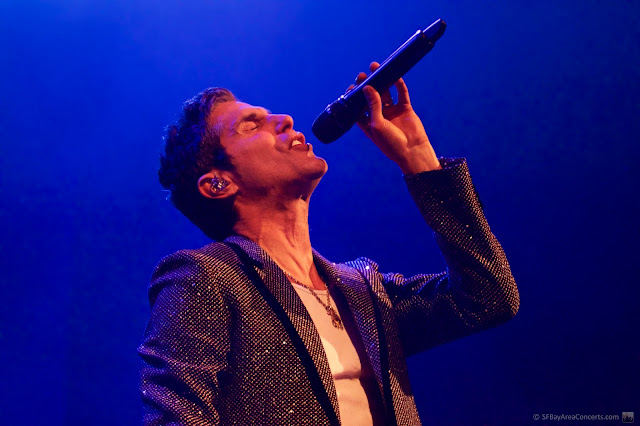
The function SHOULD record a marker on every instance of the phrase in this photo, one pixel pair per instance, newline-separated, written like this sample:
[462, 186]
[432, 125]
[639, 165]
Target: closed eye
[249, 126]
[250, 121]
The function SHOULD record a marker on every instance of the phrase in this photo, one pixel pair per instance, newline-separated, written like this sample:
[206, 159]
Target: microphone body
[339, 116]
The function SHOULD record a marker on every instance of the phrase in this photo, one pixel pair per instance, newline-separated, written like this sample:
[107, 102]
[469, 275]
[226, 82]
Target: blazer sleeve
[477, 290]
[185, 343]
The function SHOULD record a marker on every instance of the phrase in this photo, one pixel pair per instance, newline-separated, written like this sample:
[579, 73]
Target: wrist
[418, 161]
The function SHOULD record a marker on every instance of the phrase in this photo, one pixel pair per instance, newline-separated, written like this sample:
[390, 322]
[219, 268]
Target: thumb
[374, 101]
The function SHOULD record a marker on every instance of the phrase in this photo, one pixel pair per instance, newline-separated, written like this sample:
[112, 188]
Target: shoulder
[364, 265]
[209, 257]
[195, 267]
[365, 269]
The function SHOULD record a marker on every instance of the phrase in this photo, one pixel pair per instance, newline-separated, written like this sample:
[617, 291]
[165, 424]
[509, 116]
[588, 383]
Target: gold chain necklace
[336, 321]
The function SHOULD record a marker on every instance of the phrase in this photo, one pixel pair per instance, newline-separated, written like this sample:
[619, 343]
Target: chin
[320, 168]
[312, 176]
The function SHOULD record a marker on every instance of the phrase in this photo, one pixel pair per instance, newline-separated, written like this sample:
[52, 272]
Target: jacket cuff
[451, 184]
[454, 173]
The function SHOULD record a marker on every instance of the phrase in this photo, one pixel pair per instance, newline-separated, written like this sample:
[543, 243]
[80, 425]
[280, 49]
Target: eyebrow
[250, 116]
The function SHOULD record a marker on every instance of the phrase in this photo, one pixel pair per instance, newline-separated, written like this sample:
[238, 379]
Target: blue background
[540, 97]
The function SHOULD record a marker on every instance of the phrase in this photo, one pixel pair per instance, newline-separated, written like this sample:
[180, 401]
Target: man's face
[267, 153]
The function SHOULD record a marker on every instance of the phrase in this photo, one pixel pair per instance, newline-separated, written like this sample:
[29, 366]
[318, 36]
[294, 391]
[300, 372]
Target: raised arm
[477, 290]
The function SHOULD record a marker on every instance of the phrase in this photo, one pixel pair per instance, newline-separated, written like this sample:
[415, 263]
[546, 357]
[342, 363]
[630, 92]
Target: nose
[283, 122]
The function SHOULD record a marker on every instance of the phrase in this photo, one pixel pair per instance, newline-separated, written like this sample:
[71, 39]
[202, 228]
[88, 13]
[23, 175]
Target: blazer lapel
[282, 290]
[357, 294]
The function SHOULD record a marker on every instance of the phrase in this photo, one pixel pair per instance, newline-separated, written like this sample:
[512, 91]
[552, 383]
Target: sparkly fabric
[230, 342]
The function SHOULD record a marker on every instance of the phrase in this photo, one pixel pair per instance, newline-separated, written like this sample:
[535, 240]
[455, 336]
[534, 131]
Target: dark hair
[192, 148]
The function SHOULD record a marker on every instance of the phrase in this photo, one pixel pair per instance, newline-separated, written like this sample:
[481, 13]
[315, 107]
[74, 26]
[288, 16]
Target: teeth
[296, 143]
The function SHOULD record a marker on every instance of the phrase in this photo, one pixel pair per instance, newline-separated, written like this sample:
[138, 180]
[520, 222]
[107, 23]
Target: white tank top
[348, 373]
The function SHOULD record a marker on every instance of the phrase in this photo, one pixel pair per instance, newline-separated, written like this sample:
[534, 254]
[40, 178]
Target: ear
[216, 185]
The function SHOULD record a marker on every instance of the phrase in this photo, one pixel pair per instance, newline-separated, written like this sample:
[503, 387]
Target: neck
[282, 230]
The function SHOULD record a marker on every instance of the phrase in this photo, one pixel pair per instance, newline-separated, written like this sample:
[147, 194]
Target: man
[261, 329]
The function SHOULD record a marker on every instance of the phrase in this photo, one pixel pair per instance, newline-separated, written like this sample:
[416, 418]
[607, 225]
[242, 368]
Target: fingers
[359, 79]
[375, 103]
[403, 93]
[387, 100]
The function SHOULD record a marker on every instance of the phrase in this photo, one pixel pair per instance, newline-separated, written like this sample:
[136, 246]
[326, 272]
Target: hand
[396, 129]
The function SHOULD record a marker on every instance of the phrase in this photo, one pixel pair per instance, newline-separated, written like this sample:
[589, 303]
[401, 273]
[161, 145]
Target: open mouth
[299, 140]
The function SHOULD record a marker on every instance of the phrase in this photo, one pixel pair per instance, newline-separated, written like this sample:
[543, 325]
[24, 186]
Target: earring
[218, 184]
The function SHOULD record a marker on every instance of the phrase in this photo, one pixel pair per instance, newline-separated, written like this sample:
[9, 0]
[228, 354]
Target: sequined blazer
[230, 342]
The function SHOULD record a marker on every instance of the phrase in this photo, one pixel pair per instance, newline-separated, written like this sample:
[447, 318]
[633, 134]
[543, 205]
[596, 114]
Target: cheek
[258, 159]
[255, 166]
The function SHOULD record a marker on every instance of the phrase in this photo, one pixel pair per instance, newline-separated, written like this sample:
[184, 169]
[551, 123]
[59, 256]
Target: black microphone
[342, 114]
